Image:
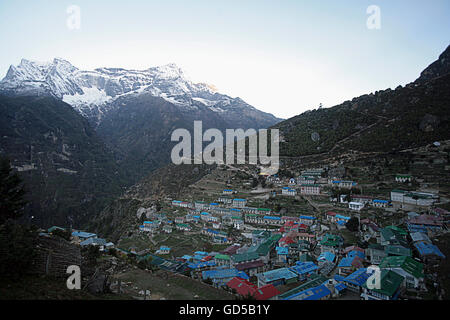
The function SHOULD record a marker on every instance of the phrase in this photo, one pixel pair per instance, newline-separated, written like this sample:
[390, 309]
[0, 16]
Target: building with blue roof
[428, 251]
[357, 279]
[83, 235]
[380, 203]
[201, 265]
[186, 257]
[93, 241]
[282, 254]
[317, 293]
[416, 228]
[326, 257]
[272, 218]
[356, 253]
[304, 269]
[220, 277]
[277, 277]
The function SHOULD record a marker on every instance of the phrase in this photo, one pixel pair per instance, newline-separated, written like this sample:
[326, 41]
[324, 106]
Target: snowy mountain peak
[93, 92]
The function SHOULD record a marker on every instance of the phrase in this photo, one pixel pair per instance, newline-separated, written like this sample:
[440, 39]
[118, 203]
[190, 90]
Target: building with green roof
[313, 281]
[222, 259]
[407, 267]
[398, 251]
[393, 236]
[245, 257]
[331, 243]
[389, 287]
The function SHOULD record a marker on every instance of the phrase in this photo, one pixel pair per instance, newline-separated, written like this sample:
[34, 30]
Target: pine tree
[11, 192]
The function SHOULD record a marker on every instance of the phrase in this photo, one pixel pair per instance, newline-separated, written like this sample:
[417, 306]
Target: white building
[312, 189]
[356, 206]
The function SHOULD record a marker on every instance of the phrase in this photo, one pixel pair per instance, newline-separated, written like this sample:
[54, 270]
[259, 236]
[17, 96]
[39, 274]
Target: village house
[285, 219]
[306, 180]
[403, 178]
[251, 267]
[264, 211]
[326, 257]
[79, 236]
[330, 216]
[343, 184]
[355, 280]
[428, 252]
[149, 226]
[410, 199]
[238, 223]
[362, 199]
[310, 189]
[183, 227]
[98, 242]
[200, 205]
[213, 206]
[307, 220]
[239, 203]
[369, 230]
[375, 253]
[304, 269]
[392, 235]
[267, 247]
[314, 281]
[380, 203]
[296, 249]
[223, 260]
[292, 181]
[288, 191]
[245, 288]
[228, 191]
[410, 269]
[167, 229]
[254, 218]
[205, 216]
[179, 220]
[349, 264]
[220, 277]
[220, 210]
[389, 289]
[182, 204]
[331, 243]
[250, 210]
[273, 179]
[276, 277]
[163, 250]
[397, 250]
[427, 221]
[282, 255]
[248, 256]
[272, 220]
[302, 236]
[321, 292]
[357, 206]
[225, 200]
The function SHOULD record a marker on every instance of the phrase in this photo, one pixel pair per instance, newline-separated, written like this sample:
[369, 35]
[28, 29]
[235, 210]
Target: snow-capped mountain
[92, 92]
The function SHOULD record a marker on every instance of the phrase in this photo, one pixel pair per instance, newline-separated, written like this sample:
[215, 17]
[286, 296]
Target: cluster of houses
[299, 258]
[82, 238]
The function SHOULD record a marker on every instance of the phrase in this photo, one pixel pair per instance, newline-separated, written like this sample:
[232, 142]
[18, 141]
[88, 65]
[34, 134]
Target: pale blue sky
[283, 57]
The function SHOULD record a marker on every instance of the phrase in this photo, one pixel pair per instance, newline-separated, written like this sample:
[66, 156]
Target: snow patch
[90, 97]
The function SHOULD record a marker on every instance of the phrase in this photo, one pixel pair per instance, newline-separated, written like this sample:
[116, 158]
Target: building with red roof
[266, 292]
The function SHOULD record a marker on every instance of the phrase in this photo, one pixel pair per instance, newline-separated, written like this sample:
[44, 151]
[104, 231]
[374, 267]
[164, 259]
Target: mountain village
[313, 236]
